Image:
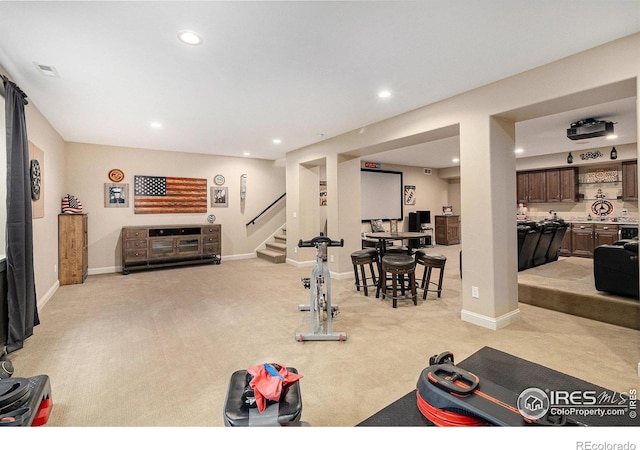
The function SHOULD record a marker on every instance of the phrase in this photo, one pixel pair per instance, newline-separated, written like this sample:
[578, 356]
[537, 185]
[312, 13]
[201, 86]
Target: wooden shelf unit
[73, 246]
[447, 230]
[147, 247]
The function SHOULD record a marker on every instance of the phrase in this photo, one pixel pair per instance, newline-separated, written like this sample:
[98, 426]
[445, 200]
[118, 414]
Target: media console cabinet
[175, 245]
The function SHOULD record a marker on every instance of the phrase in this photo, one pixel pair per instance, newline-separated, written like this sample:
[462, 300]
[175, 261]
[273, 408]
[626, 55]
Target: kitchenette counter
[606, 221]
[610, 221]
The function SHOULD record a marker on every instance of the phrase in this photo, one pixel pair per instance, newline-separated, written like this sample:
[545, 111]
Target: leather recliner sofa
[539, 242]
[615, 268]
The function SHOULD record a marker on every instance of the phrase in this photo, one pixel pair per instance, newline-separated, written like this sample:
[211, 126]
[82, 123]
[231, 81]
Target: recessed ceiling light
[384, 94]
[246, 154]
[519, 150]
[456, 160]
[612, 136]
[277, 141]
[189, 37]
[155, 124]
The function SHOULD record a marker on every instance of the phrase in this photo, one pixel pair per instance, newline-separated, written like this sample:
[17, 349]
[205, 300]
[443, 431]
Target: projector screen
[381, 195]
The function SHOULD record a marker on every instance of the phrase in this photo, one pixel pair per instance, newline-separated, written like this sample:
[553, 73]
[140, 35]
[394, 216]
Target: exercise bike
[321, 311]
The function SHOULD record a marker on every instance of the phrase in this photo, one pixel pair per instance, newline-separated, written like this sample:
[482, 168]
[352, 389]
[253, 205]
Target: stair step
[271, 255]
[280, 237]
[277, 246]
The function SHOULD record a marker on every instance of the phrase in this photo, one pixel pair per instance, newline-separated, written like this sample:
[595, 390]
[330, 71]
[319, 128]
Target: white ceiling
[301, 71]
[536, 137]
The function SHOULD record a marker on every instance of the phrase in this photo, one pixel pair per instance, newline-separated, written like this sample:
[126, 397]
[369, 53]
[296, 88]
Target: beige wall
[87, 172]
[82, 169]
[485, 120]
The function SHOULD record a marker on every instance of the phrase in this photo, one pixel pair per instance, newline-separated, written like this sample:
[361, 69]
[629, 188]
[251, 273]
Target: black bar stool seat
[430, 262]
[397, 266]
[360, 259]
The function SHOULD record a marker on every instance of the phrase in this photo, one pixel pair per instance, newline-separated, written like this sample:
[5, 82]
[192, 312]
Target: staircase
[276, 250]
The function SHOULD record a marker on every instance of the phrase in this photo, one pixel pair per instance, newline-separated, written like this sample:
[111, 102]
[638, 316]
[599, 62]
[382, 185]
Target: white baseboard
[311, 263]
[241, 256]
[341, 275]
[492, 323]
[101, 270]
[47, 295]
[295, 263]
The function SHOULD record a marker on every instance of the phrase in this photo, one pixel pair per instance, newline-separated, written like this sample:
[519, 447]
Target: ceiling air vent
[47, 71]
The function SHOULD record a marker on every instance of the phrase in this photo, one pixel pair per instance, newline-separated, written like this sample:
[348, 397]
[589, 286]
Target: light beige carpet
[568, 286]
[157, 348]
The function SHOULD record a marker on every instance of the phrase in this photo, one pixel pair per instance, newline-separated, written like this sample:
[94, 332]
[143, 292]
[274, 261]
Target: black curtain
[21, 289]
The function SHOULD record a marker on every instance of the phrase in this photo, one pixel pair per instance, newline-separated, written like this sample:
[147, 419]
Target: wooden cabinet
[72, 248]
[531, 186]
[211, 240]
[582, 240]
[562, 185]
[447, 230]
[604, 234]
[163, 246]
[550, 185]
[566, 249]
[630, 180]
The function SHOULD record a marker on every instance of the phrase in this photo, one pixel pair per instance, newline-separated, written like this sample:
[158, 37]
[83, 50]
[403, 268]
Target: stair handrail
[253, 221]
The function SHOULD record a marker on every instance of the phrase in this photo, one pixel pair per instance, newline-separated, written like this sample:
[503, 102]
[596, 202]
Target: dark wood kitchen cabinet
[562, 185]
[566, 249]
[582, 240]
[630, 180]
[604, 234]
[531, 186]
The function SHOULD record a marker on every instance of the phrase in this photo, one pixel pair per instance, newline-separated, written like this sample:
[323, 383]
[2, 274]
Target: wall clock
[116, 175]
[211, 218]
[218, 180]
[36, 178]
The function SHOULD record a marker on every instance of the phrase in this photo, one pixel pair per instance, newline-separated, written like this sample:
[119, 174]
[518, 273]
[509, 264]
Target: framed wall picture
[323, 193]
[116, 195]
[409, 195]
[220, 197]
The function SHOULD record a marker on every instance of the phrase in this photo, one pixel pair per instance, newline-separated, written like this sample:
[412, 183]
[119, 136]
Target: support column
[343, 213]
[488, 222]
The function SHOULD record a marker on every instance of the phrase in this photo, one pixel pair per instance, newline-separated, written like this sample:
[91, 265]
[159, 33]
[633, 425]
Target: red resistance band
[444, 418]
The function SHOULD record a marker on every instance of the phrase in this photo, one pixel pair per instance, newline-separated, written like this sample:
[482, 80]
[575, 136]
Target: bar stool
[361, 259]
[430, 262]
[397, 266]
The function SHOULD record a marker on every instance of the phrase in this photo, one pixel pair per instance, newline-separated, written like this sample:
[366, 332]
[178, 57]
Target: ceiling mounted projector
[589, 128]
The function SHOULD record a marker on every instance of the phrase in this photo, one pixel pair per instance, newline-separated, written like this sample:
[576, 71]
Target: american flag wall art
[167, 195]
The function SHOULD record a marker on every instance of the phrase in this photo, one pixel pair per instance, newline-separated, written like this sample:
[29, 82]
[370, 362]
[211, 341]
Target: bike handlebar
[321, 240]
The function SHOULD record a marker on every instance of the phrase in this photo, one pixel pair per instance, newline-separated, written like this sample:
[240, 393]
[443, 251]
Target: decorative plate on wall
[602, 208]
[116, 175]
[218, 180]
[211, 218]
